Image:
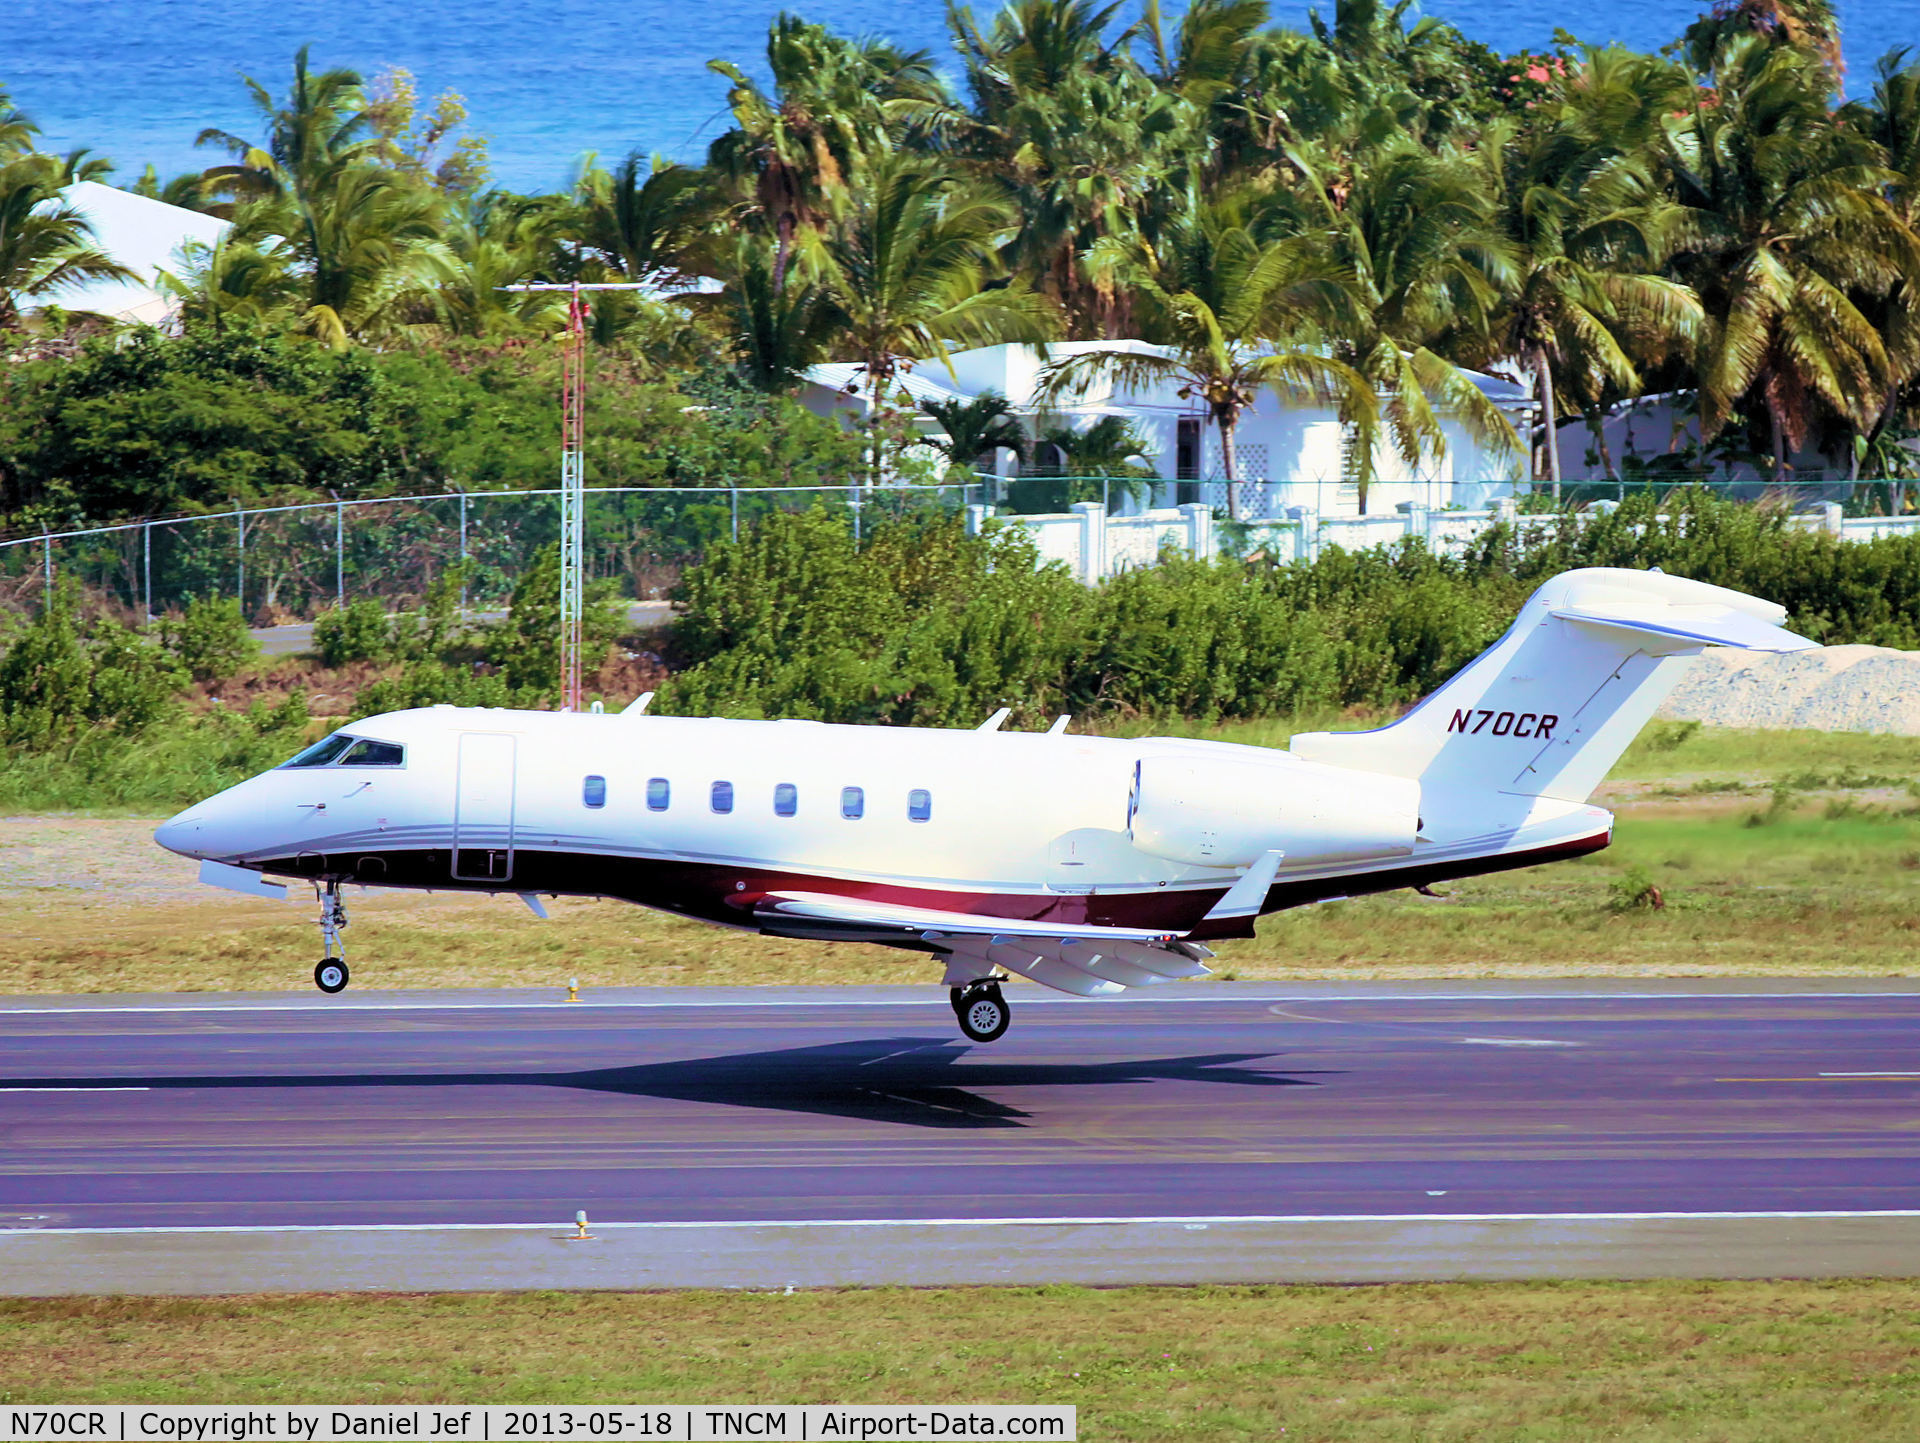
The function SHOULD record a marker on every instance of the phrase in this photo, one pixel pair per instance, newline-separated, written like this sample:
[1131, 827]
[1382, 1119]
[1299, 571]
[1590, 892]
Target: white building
[146, 236]
[1296, 448]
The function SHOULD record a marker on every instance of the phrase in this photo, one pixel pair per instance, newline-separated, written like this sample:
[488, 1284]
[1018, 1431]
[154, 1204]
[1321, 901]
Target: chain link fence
[287, 563]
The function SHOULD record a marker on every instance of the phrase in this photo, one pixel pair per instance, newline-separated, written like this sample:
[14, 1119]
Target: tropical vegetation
[1355, 211]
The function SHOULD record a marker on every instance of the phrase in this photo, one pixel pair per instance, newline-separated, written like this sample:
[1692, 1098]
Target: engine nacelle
[1222, 812]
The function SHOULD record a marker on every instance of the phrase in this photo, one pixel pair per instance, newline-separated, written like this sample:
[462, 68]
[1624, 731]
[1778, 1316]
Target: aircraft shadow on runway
[908, 1080]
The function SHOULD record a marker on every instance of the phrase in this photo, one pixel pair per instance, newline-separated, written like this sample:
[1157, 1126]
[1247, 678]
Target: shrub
[429, 683]
[526, 645]
[1634, 891]
[210, 638]
[61, 678]
[359, 631]
[921, 624]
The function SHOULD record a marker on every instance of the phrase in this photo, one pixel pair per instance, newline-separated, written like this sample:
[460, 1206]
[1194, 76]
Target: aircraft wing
[818, 912]
[1069, 957]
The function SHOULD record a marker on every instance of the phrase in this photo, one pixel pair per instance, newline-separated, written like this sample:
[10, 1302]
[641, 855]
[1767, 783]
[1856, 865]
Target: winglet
[638, 706]
[1246, 896]
[996, 721]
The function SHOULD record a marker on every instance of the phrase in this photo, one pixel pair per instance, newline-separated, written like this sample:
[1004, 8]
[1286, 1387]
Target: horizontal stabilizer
[1685, 626]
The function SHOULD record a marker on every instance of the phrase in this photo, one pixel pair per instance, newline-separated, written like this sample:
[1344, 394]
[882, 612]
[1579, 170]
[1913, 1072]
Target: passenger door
[483, 808]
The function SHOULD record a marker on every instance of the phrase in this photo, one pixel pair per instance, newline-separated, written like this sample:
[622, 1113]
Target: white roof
[143, 235]
[850, 378]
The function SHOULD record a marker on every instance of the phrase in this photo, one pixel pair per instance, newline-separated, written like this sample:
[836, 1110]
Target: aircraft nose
[184, 833]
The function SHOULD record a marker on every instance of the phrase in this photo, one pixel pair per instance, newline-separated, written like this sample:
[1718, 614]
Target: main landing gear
[983, 1012]
[330, 973]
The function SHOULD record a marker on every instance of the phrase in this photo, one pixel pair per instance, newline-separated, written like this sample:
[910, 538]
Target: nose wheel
[983, 1012]
[330, 973]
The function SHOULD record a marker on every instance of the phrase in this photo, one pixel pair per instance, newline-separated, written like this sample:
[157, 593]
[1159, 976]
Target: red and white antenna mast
[573, 472]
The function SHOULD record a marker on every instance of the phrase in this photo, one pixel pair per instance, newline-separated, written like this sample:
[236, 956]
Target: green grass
[1734, 1362]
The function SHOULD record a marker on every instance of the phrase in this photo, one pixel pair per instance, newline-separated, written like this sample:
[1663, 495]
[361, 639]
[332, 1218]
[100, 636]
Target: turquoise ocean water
[550, 79]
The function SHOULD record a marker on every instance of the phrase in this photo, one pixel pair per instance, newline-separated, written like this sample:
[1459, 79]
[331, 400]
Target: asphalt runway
[1200, 1111]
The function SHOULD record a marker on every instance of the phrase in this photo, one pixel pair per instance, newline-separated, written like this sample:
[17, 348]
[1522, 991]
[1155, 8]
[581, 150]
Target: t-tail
[1548, 709]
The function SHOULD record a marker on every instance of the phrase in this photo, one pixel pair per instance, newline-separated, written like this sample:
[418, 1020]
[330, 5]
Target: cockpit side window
[322, 752]
[366, 753]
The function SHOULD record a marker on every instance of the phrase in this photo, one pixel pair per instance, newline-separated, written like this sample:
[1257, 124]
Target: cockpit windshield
[350, 751]
[322, 752]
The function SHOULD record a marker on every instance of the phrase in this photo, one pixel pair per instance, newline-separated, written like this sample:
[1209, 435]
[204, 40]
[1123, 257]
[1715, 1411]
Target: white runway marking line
[1251, 1219]
[1160, 999]
[1515, 1042]
[75, 1089]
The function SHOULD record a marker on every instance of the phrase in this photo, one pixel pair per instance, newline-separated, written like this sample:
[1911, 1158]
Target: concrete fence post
[1505, 511]
[1833, 518]
[1093, 540]
[977, 519]
[1306, 537]
[1420, 523]
[1199, 524]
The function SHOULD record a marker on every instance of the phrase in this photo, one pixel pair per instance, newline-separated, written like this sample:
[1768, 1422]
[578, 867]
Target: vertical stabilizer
[1548, 709]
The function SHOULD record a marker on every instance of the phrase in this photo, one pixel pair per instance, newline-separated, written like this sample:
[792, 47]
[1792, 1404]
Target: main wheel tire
[984, 1014]
[330, 975]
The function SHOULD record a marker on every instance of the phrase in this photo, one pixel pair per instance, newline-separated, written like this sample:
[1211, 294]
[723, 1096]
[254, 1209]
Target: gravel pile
[1834, 689]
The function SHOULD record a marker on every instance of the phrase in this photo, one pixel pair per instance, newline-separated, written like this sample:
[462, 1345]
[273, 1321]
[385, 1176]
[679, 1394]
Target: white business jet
[1088, 864]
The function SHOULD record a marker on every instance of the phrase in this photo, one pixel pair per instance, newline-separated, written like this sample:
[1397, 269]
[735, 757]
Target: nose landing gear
[330, 973]
[983, 1012]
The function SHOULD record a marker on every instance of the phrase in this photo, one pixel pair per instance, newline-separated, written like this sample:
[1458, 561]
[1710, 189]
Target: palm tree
[373, 247]
[1217, 299]
[1585, 226]
[1808, 25]
[235, 280]
[499, 240]
[1109, 448]
[44, 242]
[366, 240]
[648, 217]
[321, 129]
[976, 426]
[778, 331]
[1891, 119]
[834, 103]
[1787, 220]
[17, 129]
[1092, 147]
[1413, 232]
[909, 272]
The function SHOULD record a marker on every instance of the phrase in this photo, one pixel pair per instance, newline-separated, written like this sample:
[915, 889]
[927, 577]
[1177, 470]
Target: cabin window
[658, 794]
[321, 752]
[593, 791]
[786, 799]
[374, 754]
[919, 805]
[722, 798]
[853, 803]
